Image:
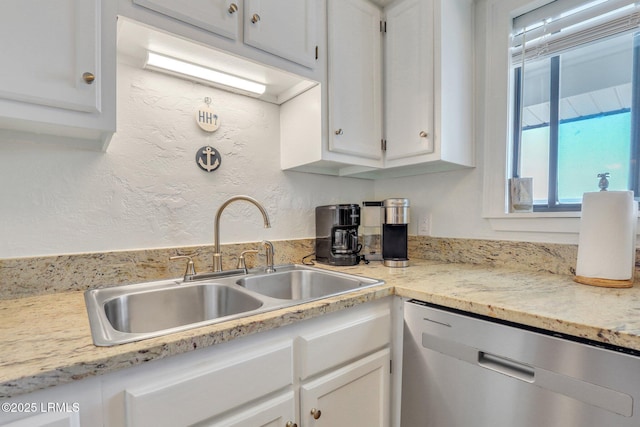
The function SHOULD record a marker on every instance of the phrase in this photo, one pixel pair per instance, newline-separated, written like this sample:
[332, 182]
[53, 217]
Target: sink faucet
[217, 255]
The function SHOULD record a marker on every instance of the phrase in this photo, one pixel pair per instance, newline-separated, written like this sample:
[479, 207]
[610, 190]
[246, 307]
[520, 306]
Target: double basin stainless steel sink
[134, 312]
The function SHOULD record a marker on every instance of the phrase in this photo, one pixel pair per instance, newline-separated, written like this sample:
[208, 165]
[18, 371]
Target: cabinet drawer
[209, 392]
[344, 342]
[51, 419]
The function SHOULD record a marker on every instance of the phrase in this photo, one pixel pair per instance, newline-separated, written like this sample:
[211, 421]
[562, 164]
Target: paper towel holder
[615, 268]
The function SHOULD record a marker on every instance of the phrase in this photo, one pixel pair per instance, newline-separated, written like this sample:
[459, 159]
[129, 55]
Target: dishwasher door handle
[506, 366]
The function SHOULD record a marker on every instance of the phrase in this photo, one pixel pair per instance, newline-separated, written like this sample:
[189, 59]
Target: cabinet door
[354, 77]
[356, 395]
[47, 48]
[409, 79]
[218, 16]
[286, 28]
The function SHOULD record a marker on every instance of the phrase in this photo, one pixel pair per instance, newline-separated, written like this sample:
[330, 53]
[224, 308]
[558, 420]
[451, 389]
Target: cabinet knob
[255, 18]
[88, 77]
[233, 8]
[423, 134]
[316, 413]
[339, 132]
[290, 424]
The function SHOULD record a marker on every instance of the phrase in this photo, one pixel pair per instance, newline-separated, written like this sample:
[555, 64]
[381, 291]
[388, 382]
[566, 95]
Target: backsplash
[549, 257]
[21, 277]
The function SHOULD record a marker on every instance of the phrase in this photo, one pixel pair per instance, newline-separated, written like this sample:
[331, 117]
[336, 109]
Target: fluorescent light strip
[166, 63]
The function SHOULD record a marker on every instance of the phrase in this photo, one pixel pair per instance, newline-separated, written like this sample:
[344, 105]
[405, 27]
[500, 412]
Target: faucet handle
[269, 251]
[190, 270]
[241, 260]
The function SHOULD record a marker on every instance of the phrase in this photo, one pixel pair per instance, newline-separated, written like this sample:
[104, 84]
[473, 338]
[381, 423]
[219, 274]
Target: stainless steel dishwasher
[461, 370]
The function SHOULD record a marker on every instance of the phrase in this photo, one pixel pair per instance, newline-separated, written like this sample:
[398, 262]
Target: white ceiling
[600, 101]
[596, 102]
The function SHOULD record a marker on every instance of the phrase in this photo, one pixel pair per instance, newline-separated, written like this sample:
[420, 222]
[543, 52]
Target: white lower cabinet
[268, 379]
[356, 395]
[70, 405]
[337, 364]
[200, 386]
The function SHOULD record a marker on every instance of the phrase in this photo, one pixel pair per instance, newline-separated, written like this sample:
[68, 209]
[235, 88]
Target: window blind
[564, 24]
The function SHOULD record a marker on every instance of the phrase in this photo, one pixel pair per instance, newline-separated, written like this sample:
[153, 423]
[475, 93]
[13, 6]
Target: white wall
[146, 190]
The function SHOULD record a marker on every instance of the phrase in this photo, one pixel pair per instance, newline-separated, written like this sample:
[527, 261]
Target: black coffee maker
[394, 232]
[337, 234]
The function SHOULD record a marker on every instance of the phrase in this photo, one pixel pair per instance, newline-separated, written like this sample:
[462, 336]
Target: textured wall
[146, 190]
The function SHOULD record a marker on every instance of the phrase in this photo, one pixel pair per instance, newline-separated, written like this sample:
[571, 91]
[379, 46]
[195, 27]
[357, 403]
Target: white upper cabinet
[278, 43]
[286, 28]
[58, 69]
[218, 16]
[427, 46]
[428, 86]
[336, 129]
[409, 79]
[354, 78]
[50, 53]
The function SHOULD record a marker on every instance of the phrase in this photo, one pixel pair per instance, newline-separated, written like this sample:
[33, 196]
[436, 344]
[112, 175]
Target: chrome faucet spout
[217, 255]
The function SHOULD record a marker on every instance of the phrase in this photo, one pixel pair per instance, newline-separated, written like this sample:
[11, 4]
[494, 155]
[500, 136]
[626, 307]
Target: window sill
[537, 222]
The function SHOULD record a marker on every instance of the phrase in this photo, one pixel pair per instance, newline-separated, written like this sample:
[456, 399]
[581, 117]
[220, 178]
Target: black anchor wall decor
[208, 158]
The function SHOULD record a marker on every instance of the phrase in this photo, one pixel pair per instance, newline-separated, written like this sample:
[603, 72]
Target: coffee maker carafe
[337, 234]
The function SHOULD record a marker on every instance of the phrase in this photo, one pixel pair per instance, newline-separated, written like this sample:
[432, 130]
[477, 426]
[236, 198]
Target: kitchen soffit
[136, 39]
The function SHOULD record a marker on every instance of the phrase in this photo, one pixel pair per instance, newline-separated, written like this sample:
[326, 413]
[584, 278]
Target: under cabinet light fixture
[196, 72]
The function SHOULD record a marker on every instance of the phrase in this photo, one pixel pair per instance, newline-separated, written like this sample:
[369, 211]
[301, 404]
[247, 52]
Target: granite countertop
[45, 340]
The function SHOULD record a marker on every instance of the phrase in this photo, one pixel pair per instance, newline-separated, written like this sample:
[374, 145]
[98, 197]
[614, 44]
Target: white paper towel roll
[607, 243]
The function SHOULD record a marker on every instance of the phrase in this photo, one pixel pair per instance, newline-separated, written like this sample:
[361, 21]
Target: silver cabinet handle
[255, 18]
[423, 134]
[233, 8]
[339, 132]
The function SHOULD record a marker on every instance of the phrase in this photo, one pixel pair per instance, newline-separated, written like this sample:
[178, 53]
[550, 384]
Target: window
[575, 66]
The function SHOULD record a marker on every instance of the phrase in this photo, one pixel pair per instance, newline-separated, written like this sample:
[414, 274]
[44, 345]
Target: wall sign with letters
[206, 118]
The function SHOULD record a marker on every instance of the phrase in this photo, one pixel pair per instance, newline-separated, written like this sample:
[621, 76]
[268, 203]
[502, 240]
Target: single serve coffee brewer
[395, 223]
[337, 234]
